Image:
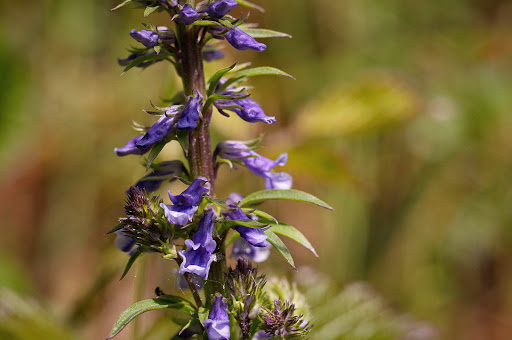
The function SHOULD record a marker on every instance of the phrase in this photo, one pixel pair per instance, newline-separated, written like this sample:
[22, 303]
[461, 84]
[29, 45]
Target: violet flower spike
[130, 148]
[243, 41]
[203, 236]
[191, 113]
[145, 37]
[220, 8]
[217, 324]
[188, 15]
[250, 110]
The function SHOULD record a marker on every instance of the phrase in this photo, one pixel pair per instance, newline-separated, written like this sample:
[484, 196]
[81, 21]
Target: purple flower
[217, 324]
[124, 242]
[250, 111]
[145, 37]
[243, 41]
[254, 236]
[157, 132]
[198, 256]
[203, 236]
[257, 164]
[244, 249]
[211, 54]
[131, 149]
[191, 113]
[185, 205]
[195, 261]
[221, 8]
[188, 15]
[164, 171]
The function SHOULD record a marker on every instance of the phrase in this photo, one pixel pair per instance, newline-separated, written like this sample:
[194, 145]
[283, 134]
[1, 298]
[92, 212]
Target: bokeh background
[400, 117]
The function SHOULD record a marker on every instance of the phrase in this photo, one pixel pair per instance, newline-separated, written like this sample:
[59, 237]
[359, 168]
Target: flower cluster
[194, 228]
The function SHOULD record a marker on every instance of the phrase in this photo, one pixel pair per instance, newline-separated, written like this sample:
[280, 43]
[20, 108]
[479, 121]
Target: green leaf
[293, 233]
[131, 260]
[155, 150]
[116, 228]
[260, 214]
[218, 202]
[263, 33]
[126, 2]
[231, 238]
[150, 10]
[280, 194]
[183, 140]
[143, 58]
[255, 71]
[280, 246]
[204, 23]
[162, 302]
[250, 5]
[214, 80]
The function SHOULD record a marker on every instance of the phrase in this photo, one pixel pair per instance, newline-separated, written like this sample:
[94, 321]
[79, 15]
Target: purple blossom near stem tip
[157, 132]
[220, 8]
[245, 108]
[257, 164]
[145, 37]
[191, 113]
[243, 41]
[255, 236]
[217, 324]
[198, 256]
[188, 15]
[185, 204]
[130, 148]
[242, 248]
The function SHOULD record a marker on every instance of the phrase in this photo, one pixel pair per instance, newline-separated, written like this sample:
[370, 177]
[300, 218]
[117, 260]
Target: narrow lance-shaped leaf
[250, 5]
[262, 33]
[280, 246]
[162, 302]
[131, 261]
[214, 80]
[155, 150]
[150, 10]
[126, 2]
[260, 214]
[281, 194]
[256, 71]
[293, 233]
[144, 58]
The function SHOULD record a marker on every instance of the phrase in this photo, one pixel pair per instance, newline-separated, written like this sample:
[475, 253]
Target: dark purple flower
[242, 248]
[250, 110]
[188, 15]
[220, 8]
[254, 236]
[145, 37]
[257, 164]
[210, 54]
[185, 205]
[131, 149]
[195, 261]
[234, 198]
[157, 132]
[191, 113]
[217, 324]
[243, 41]
[124, 242]
[203, 236]
[163, 171]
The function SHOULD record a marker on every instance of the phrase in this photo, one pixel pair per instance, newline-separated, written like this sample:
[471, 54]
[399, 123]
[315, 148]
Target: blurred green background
[400, 117]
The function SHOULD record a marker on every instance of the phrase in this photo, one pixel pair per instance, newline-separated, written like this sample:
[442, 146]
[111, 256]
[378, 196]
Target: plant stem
[199, 153]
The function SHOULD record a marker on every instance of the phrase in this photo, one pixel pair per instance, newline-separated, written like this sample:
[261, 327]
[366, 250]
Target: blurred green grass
[400, 118]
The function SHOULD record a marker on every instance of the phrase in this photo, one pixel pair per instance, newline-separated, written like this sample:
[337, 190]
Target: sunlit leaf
[255, 71]
[293, 233]
[161, 302]
[281, 194]
[280, 246]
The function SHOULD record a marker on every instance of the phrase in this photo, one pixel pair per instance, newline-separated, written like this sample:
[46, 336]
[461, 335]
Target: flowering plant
[196, 228]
